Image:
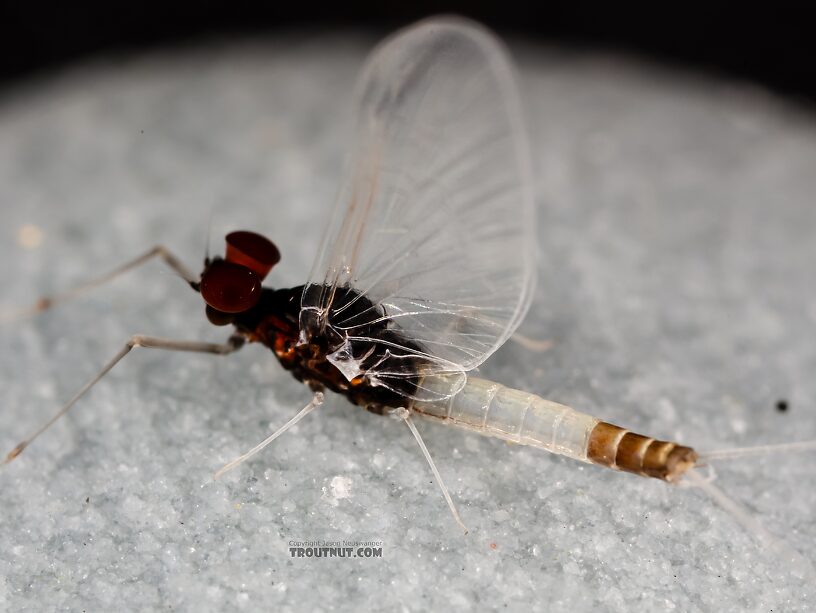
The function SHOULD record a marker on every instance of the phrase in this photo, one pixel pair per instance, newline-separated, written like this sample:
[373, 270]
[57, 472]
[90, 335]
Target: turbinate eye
[230, 288]
[252, 250]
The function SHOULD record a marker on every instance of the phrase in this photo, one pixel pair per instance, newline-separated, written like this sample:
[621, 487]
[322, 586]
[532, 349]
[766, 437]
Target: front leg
[234, 343]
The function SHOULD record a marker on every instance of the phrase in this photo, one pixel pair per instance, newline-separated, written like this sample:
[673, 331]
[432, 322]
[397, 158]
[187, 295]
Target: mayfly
[426, 268]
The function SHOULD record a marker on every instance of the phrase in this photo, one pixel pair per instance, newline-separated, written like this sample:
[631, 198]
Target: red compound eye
[217, 318]
[230, 288]
[252, 250]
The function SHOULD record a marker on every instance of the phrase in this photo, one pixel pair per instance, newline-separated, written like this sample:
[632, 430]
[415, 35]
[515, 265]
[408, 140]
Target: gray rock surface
[676, 281]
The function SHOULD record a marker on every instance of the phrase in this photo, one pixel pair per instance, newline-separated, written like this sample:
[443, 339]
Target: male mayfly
[426, 267]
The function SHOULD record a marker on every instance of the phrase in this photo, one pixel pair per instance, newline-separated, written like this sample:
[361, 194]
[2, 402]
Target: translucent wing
[434, 225]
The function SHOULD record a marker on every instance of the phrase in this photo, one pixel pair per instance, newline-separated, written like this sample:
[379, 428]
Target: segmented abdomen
[495, 410]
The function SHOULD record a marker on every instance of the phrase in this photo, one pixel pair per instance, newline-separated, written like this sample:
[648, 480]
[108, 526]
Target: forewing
[434, 224]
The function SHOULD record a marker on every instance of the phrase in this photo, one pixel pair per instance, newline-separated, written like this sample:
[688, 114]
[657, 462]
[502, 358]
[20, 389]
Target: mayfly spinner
[426, 268]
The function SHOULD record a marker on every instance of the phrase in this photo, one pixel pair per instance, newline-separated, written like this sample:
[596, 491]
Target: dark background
[774, 45]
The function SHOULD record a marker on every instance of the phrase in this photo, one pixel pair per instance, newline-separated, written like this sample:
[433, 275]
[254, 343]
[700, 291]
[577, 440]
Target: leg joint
[137, 340]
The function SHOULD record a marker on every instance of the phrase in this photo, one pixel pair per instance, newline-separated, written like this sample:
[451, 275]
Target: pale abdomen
[495, 410]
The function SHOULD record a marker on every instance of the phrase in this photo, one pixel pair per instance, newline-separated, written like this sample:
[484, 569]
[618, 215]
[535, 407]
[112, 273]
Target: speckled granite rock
[677, 282]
